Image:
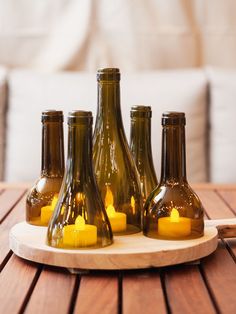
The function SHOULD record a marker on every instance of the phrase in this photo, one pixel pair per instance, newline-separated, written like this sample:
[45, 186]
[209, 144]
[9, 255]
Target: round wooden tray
[127, 252]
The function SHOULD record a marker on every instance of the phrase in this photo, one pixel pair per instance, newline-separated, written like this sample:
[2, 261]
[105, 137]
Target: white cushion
[3, 101]
[31, 93]
[222, 123]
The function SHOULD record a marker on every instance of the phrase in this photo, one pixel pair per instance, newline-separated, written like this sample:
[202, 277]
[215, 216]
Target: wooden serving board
[127, 252]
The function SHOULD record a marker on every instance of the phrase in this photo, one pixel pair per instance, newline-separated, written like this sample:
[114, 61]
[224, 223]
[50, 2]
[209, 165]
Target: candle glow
[46, 211]
[174, 226]
[80, 234]
[117, 219]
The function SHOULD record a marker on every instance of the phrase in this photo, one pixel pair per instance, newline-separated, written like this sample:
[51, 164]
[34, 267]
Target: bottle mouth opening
[52, 116]
[173, 118]
[80, 117]
[141, 111]
[108, 74]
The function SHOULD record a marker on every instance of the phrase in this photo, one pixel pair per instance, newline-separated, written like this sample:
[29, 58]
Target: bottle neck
[173, 166]
[79, 162]
[109, 111]
[52, 150]
[140, 141]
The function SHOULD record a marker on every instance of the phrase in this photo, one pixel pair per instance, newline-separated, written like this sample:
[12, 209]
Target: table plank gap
[230, 245]
[120, 292]
[53, 291]
[31, 289]
[229, 197]
[5, 260]
[182, 299]
[227, 201]
[220, 272]
[214, 206]
[8, 200]
[163, 285]
[16, 281]
[74, 294]
[97, 294]
[15, 216]
[143, 293]
[211, 294]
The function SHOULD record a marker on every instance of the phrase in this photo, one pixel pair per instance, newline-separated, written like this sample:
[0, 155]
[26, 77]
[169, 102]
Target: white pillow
[31, 93]
[222, 123]
[3, 101]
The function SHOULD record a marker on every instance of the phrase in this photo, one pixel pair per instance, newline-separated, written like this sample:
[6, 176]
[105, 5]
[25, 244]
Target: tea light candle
[174, 226]
[79, 234]
[117, 219]
[46, 211]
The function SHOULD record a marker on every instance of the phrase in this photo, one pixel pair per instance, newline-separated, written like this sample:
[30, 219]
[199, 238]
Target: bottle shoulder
[182, 194]
[45, 185]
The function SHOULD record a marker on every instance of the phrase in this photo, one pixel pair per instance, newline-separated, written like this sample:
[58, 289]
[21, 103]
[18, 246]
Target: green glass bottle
[173, 211]
[42, 197]
[79, 220]
[114, 166]
[140, 145]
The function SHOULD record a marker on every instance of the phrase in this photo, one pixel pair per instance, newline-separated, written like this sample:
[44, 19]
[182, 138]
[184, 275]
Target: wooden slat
[16, 215]
[232, 245]
[8, 199]
[16, 185]
[143, 294]
[220, 272]
[15, 282]
[212, 186]
[97, 294]
[186, 291]
[230, 197]
[53, 292]
[214, 205]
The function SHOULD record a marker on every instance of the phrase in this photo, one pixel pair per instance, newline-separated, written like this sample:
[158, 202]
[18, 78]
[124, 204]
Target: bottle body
[140, 145]
[114, 166]
[173, 211]
[79, 220]
[42, 197]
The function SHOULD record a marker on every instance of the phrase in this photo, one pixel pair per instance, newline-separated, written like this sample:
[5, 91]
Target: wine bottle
[79, 219]
[115, 169]
[140, 145]
[42, 197]
[173, 211]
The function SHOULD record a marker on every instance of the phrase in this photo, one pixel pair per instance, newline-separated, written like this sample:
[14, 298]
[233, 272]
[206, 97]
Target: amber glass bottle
[42, 197]
[79, 219]
[115, 168]
[173, 211]
[140, 145]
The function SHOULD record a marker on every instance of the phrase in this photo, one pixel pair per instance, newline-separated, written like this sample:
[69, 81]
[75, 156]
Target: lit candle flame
[132, 203]
[80, 223]
[174, 215]
[109, 199]
[110, 210]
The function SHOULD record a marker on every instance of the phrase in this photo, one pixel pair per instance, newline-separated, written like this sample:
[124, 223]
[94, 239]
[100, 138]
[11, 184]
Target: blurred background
[173, 55]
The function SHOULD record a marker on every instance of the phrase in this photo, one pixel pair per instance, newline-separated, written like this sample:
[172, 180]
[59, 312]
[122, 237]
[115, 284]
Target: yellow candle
[174, 226]
[79, 234]
[117, 219]
[46, 211]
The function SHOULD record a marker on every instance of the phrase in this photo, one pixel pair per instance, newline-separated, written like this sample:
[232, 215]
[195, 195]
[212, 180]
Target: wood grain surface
[127, 252]
[207, 286]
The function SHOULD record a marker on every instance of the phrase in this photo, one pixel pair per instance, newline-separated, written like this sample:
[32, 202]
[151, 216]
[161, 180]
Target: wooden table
[205, 287]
